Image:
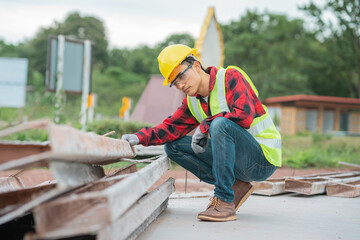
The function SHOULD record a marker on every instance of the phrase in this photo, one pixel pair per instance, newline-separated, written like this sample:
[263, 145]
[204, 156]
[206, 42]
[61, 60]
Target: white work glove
[131, 138]
[199, 141]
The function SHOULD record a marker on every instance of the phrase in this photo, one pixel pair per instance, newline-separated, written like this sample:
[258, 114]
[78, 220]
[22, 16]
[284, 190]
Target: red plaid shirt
[243, 103]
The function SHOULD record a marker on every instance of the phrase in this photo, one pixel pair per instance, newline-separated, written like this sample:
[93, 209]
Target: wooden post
[293, 121]
[337, 119]
[320, 119]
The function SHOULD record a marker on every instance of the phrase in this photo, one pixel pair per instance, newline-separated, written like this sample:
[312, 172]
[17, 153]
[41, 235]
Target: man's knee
[218, 125]
[169, 148]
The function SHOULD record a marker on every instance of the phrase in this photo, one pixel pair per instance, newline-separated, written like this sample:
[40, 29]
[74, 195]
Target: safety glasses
[180, 77]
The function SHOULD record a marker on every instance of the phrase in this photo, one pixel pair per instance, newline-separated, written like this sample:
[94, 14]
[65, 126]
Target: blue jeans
[232, 153]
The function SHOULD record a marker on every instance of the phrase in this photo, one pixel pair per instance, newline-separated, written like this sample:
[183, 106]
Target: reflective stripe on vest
[261, 126]
[196, 111]
[269, 142]
[221, 94]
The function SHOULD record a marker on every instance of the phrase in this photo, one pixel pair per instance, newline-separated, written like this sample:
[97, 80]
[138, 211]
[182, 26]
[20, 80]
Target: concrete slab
[290, 216]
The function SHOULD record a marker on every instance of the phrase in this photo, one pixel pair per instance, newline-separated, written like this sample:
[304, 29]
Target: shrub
[120, 127]
[31, 135]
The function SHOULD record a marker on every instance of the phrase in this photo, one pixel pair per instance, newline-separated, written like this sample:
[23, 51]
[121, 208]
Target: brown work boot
[218, 211]
[242, 190]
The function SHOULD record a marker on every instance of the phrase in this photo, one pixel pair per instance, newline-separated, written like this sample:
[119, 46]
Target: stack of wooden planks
[340, 184]
[82, 200]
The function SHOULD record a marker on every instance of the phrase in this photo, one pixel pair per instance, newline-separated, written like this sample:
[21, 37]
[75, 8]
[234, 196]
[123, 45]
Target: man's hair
[191, 59]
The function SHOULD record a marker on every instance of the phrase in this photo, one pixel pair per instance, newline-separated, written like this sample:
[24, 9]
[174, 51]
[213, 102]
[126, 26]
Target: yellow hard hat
[171, 56]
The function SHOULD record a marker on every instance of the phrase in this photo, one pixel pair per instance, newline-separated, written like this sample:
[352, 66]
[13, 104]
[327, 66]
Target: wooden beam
[73, 174]
[13, 199]
[275, 186]
[70, 144]
[316, 185]
[99, 206]
[270, 187]
[349, 164]
[135, 186]
[140, 150]
[337, 119]
[10, 183]
[142, 213]
[16, 149]
[349, 189]
[320, 119]
[68, 175]
[21, 210]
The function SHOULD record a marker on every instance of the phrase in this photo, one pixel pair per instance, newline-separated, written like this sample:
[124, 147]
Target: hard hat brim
[193, 51]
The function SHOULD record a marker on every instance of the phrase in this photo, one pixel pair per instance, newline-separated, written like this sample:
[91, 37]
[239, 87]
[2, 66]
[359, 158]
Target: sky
[132, 23]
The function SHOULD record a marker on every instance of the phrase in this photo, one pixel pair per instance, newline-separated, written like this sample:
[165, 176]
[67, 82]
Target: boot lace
[215, 202]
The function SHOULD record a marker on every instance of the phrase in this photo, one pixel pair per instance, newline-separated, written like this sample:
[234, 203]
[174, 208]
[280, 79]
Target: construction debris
[270, 187]
[349, 189]
[69, 144]
[83, 198]
[334, 184]
[317, 185]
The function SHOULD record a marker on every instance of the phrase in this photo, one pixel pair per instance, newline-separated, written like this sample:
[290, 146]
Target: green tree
[77, 26]
[273, 50]
[181, 38]
[114, 84]
[8, 50]
[338, 23]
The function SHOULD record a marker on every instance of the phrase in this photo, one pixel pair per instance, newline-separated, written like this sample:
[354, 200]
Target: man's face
[183, 78]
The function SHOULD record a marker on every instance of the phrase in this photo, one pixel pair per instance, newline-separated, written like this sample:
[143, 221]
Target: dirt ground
[192, 184]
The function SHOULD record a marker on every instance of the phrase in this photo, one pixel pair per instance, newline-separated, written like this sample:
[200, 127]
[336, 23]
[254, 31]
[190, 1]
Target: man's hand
[199, 141]
[131, 138]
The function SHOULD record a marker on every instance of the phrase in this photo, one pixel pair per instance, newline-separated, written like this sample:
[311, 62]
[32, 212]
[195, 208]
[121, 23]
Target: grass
[319, 151]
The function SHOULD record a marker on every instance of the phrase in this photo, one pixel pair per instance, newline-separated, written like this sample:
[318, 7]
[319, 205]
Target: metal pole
[86, 83]
[59, 97]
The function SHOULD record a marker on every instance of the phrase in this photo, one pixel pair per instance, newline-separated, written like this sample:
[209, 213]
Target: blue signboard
[73, 65]
[13, 79]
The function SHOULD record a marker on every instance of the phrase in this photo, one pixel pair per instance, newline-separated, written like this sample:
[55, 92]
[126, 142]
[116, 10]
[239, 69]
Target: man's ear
[197, 66]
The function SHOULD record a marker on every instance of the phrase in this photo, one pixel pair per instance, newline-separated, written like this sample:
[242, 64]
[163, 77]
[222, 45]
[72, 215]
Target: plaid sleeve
[172, 128]
[243, 103]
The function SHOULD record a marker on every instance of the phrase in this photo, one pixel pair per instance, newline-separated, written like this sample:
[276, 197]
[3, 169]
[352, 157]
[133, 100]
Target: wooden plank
[270, 187]
[17, 149]
[21, 210]
[125, 170]
[66, 208]
[140, 150]
[73, 174]
[70, 144]
[10, 183]
[349, 164]
[135, 186]
[276, 186]
[68, 175]
[33, 160]
[316, 185]
[12, 199]
[99, 206]
[349, 189]
[141, 214]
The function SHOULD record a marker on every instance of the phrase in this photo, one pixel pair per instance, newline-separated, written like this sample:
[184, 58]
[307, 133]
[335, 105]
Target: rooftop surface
[289, 216]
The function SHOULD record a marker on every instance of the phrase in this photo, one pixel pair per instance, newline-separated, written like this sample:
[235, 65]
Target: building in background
[322, 114]
[156, 102]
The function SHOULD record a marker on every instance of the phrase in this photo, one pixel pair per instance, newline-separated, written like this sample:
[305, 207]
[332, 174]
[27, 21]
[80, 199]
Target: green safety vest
[262, 128]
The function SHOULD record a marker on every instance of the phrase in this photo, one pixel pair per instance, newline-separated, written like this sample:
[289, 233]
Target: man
[223, 104]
